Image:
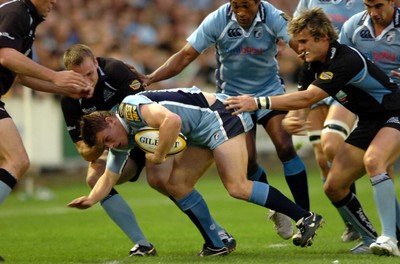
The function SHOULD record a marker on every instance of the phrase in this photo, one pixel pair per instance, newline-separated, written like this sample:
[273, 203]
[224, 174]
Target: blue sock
[218, 227]
[269, 197]
[120, 212]
[259, 175]
[385, 199]
[296, 178]
[196, 208]
[7, 183]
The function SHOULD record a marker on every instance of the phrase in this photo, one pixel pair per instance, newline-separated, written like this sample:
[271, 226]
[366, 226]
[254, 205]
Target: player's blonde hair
[314, 20]
[75, 55]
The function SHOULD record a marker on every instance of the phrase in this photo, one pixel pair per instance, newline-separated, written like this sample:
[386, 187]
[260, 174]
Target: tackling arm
[174, 65]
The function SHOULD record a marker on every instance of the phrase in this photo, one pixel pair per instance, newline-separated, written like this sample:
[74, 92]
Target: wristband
[263, 102]
[258, 102]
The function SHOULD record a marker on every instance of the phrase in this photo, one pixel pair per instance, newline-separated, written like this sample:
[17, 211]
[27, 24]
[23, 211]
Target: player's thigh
[341, 113]
[337, 126]
[346, 168]
[251, 146]
[13, 156]
[157, 175]
[187, 169]
[231, 162]
[383, 151]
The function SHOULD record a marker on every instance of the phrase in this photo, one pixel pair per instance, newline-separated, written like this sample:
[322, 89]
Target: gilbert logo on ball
[147, 139]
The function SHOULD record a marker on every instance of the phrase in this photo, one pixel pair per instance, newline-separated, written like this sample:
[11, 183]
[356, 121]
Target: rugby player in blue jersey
[213, 133]
[337, 70]
[111, 81]
[245, 34]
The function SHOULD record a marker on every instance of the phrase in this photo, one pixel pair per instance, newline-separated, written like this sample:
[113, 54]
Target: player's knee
[157, 184]
[322, 163]
[330, 148]
[237, 191]
[372, 163]
[17, 165]
[21, 166]
[286, 151]
[330, 190]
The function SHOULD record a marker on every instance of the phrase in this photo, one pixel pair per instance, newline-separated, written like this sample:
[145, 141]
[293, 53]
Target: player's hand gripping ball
[147, 140]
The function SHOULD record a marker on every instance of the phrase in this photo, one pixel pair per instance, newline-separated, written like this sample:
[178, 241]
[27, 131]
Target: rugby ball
[147, 140]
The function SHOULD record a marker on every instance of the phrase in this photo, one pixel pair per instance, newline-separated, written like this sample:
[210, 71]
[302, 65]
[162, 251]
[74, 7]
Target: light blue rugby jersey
[338, 11]
[383, 50]
[246, 62]
[203, 125]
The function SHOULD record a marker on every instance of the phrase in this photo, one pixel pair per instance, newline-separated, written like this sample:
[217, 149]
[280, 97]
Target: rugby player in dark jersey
[337, 70]
[18, 22]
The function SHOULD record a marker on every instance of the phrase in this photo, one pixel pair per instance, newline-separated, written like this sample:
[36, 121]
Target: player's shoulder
[347, 57]
[357, 20]
[111, 64]
[14, 10]
[116, 71]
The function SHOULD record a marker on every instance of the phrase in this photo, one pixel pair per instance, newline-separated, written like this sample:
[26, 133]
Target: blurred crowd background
[143, 33]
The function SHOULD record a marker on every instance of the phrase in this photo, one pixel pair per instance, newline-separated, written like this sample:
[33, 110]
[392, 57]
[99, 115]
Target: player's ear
[110, 120]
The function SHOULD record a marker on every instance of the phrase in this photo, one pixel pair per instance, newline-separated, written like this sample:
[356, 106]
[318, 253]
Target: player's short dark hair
[93, 123]
[75, 55]
[316, 21]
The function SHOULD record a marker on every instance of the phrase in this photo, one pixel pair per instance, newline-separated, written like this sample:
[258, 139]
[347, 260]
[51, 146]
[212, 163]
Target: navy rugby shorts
[366, 130]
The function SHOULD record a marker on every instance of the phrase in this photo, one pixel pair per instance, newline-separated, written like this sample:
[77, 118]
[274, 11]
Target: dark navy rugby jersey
[116, 81]
[353, 81]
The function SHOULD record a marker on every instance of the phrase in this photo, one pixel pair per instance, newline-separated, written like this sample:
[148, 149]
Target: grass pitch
[35, 231]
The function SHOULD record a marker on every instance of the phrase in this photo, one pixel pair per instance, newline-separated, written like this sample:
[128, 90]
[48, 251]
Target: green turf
[35, 231]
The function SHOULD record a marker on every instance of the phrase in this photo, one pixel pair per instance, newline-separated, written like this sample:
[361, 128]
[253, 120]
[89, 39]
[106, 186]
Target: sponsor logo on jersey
[390, 36]
[384, 56]
[333, 53]
[121, 108]
[393, 120]
[242, 51]
[89, 110]
[5, 34]
[107, 94]
[342, 97]
[235, 32]
[135, 85]
[69, 128]
[258, 32]
[130, 112]
[366, 34]
[326, 76]
[216, 136]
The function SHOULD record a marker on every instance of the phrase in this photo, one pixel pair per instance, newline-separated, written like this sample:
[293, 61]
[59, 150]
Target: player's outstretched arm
[101, 189]
[64, 82]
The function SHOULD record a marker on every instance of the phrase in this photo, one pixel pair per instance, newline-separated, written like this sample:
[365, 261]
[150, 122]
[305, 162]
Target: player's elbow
[175, 121]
